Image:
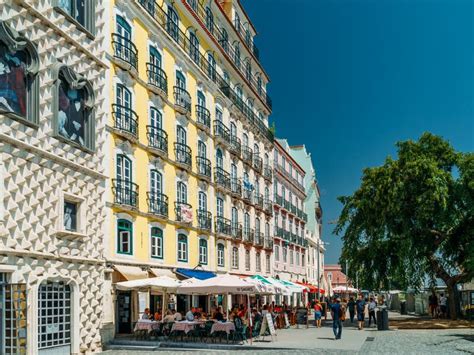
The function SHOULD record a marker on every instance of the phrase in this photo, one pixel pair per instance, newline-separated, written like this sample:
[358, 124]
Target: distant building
[335, 276]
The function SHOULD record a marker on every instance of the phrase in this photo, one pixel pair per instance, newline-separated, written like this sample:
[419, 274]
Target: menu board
[271, 326]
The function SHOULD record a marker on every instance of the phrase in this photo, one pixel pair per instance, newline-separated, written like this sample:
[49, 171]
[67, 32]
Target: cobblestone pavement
[369, 341]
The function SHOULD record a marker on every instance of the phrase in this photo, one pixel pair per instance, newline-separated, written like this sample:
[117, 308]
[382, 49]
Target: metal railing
[235, 145]
[221, 131]
[124, 49]
[204, 219]
[203, 116]
[236, 230]
[247, 154]
[247, 195]
[257, 162]
[258, 200]
[157, 138]
[125, 119]
[222, 178]
[157, 204]
[259, 239]
[279, 200]
[204, 168]
[125, 192]
[268, 206]
[157, 77]
[178, 210]
[248, 235]
[267, 172]
[183, 154]
[268, 243]
[182, 98]
[236, 187]
[222, 225]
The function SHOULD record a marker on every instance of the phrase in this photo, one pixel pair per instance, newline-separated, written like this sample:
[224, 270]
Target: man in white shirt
[190, 316]
[443, 301]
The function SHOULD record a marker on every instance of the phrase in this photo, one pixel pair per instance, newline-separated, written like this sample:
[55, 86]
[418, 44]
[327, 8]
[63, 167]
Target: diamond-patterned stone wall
[39, 169]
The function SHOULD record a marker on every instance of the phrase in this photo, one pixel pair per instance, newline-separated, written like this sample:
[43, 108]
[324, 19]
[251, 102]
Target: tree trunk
[453, 300]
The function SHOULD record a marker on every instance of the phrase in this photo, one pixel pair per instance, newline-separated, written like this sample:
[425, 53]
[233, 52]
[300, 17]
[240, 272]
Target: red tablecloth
[223, 327]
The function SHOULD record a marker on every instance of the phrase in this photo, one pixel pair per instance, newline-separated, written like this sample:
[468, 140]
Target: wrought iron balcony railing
[125, 50]
[204, 169]
[279, 200]
[259, 239]
[247, 195]
[203, 117]
[268, 243]
[183, 155]
[258, 200]
[157, 139]
[125, 119]
[157, 204]
[221, 132]
[183, 212]
[236, 187]
[222, 225]
[247, 155]
[235, 145]
[125, 192]
[286, 205]
[257, 162]
[222, 178]
[182, 99]
[236, 230]
[268, 206]
[204, 219]
[248, 235]
[267, 172]
[157, 77]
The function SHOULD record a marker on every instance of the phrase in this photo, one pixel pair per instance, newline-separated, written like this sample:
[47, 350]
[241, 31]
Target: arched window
[194, 47]
[246, 225]
[248, 71]
[276, 252]
[285, 254]
[124, 189]
[224, 40]
[220, 207]
[259, 85]
[182, 192]
[267, 193]
[220, 255]
[156, 182]
[203, 251]
[172, 23]
[219, 116]
[257, 226]
[256, 148]
[156, 118]
[201, 99]
[211, 70]
[235, 258]
[245, 140]
[258, 262]
[247, 259]
[209, 20]
[124, 237]
[156, 243]
[180, 80]
[125, 118]
[267, 263]
[193, 4]
[233, 129]
[202, 203]
[155, 57]
[234, 217]
[237, 22]
[237, 55]
[73, 111]
[219, 158]
[19, 85]
[227, 78]
[182, 247]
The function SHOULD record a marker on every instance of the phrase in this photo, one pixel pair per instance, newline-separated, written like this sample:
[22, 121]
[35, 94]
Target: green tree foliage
[412, 217]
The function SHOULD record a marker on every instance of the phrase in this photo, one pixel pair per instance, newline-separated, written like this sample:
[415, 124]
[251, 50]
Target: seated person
[157, 316]
[146, 314]
[189, 315]
[257, 317]
[219, 316]
[177, 316]
[169, 317]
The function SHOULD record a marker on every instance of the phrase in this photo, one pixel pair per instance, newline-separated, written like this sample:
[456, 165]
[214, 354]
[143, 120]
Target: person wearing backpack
[337, 314]
[360, 307]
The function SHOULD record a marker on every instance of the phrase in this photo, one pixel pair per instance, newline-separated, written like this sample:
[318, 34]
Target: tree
[412, 217]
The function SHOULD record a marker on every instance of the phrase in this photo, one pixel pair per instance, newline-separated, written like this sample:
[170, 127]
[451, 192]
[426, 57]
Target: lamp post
[320, 243]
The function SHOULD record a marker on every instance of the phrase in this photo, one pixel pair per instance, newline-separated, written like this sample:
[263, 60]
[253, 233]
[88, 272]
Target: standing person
[433, 304]
[351, 305]
[336, 313]
[360, 308]
[372, 306]
[318, 312]
[443, 301]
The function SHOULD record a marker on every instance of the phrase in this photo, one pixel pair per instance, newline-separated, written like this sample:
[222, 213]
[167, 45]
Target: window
[276, 251]
[220, 207]
[194, 47]
[297, 258]
[83, 12]
[125, 237]
[248, 71]
[193, 4]
[247, 259]
[218, 115]
[182, 247]
[235, 258]
[70, 216]
[302, 260]
[209, 20]
[291, 257]
[247, 225]
[156, 183]
[156, 243]
[237, 55]
[172, 23]
[182, 192]
[258, 264]
[180, 80]
[211, 70]
[220, 255]
[224, 41]
[73, 115]
[19, 85]
[285, 254]
[203, 251]
[202, 201]
[267, 263]
[259, 85]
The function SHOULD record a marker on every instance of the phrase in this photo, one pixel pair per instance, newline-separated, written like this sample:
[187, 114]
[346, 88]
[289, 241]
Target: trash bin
[403, 307]
[382, 318]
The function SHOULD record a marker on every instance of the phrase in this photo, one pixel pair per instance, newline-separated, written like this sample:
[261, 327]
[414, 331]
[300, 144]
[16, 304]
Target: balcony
[268, 207]
[279, 200]
[222, 226]
[203, 120]
[204, 220]
[258, 201]
[247, 196]
[246, 37]
[268, 243]
[259, 239]
[204, 169]
[293, 209]
[294, 238]
[247, 155]
[235, 147]
[235, 187]
[221, 132]
[305, 217]
[236, 231]
[157, 140]
[157, 79]
[286, 205]
[222, 179]
[125, 193]
[279, 232]
[267, 172]
[257, 163]
[182, 100]
[184, 212]
[249, 235]
[125, 120]
[183, 155]
[157, 204]
[125, 51]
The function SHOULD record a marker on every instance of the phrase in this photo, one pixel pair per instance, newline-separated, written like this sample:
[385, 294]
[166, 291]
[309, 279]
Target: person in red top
[317, 314]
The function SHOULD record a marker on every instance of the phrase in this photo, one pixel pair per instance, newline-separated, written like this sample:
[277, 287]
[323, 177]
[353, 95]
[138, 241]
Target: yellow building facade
[189, 148]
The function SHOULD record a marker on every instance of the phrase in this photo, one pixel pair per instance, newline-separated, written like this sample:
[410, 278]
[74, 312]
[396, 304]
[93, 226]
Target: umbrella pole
[227, 306]
[250, 317]
[163, 306]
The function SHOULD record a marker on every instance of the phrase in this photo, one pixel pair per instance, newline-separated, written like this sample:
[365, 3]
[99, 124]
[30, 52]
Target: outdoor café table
[223, 327]
[145, 324]
[185, 326]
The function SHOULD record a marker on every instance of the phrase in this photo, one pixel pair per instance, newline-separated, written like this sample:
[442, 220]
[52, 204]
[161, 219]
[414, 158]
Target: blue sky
[349, 78]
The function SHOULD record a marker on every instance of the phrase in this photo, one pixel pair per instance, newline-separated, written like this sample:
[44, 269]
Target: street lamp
[320, 243]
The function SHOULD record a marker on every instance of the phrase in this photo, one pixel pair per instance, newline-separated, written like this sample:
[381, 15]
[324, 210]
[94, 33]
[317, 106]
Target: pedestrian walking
[443, 301]
[433, 304]
[351, 306]
[318, 312]
[360, 308]
[337, 312]
[372, 305]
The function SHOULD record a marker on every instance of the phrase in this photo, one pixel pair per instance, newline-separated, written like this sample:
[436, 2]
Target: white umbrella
[263, 288]
[219, 284]
[344, 289]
